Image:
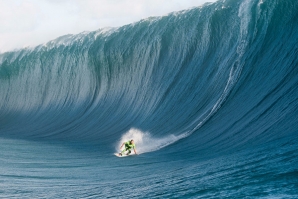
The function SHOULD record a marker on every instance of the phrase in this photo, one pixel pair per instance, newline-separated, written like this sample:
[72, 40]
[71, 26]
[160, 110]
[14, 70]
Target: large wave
[223, 75]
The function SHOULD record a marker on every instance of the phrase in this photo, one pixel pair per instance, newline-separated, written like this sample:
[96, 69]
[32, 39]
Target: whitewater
[209, 95]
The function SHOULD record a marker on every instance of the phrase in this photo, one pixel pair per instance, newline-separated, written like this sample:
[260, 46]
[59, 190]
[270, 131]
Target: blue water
[210, 96]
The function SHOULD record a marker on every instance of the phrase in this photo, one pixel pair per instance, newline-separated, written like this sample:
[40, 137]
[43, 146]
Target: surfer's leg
[122, 152]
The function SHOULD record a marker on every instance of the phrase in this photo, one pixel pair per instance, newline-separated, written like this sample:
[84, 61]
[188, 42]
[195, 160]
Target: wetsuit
[128, 147]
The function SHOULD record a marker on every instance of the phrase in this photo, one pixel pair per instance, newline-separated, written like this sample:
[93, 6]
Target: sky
[26, 23]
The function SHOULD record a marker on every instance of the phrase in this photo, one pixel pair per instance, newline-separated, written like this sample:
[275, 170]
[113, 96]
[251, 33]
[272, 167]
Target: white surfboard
[124, 155]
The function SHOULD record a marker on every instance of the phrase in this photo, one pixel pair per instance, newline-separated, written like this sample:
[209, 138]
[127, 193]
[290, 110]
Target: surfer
[129, 145]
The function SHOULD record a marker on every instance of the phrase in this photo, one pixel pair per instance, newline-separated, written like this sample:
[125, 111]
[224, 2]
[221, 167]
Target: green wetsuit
[128, 147]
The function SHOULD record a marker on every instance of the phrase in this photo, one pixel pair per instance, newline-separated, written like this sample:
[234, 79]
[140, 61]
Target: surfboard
[124, 155]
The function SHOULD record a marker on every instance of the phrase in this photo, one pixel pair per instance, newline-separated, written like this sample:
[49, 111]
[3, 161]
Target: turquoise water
[208, 94]
[54, 170]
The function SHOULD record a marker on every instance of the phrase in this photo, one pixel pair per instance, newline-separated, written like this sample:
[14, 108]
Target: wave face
[214, 79]
[224, 73]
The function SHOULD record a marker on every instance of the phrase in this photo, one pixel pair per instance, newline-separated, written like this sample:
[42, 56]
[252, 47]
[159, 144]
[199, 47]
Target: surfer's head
[131, 141]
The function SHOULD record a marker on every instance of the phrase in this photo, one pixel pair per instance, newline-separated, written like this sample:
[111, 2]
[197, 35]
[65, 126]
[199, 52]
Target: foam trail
[145, 142]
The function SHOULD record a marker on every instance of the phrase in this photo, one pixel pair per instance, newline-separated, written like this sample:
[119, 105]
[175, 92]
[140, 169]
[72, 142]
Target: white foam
[145, 142]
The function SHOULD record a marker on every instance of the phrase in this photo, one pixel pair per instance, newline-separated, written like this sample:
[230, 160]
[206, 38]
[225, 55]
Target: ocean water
[209, 94]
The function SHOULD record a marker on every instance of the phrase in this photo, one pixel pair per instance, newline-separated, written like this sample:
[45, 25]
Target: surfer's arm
[122, 145]
[135, 150]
